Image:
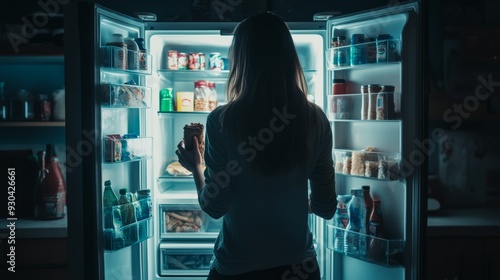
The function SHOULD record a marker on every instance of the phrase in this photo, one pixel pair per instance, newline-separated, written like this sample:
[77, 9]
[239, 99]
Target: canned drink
[216, 62]
[194, 63]
[202, 61]
[172, 60]
[182, 61]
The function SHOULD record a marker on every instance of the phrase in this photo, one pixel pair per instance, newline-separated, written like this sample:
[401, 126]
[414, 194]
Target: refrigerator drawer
[375, 250]
[185, 259]
[187, 221]
[367, 164]
[125, 96]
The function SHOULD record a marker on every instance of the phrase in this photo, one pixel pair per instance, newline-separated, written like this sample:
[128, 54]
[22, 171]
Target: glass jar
[201, 95]
[22, 106]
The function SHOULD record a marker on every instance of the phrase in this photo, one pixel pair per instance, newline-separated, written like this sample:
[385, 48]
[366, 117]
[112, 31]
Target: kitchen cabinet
[37, 258]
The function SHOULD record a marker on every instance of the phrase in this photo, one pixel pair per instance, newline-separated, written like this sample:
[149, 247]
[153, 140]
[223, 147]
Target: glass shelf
[367, 164]
[385, 252]
[191, 75]
[160, 113]
[33, 124]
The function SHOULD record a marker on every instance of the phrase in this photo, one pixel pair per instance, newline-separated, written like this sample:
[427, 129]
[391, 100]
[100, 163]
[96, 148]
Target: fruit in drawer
[183, 220]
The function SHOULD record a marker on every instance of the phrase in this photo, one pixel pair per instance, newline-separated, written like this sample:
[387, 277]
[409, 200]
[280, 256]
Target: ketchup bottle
[51, 193]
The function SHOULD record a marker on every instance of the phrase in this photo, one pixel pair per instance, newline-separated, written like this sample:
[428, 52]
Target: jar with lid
[117, 52]
[4, 104]
[385, 103]
[22, 106]
[201, 94]
[373, 90]
[341, 105]
[342, 51]
[43, 108]
[212, 98]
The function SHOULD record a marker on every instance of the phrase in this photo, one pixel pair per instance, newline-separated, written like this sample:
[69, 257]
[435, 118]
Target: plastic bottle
[143, 54]
[355, 239]
[368, 202]
[376, 247]
[133, 53]
[130, 231]
[340, 220]
[51, 194]
[341, 51]
[4, 104]
[146, 208]
[113, 236]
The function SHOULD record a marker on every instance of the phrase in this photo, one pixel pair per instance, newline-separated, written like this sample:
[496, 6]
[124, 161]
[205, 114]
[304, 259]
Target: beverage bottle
[51, 193]
[42, 172]
[341, 220]
[129, 220]
[118, 52]
[143, 54]
[112, 218]
[368, 202]
[4, 104]
[145, 204]
[376, 221]
[355, 239]
[133, 53]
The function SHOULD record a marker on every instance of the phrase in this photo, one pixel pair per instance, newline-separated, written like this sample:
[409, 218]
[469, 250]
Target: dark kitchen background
[463, 58]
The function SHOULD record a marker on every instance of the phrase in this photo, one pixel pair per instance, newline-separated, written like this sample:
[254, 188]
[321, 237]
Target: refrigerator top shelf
[217, 75]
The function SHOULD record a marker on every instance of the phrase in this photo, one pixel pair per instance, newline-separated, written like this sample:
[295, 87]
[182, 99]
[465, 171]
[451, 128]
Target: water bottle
[355, 239]
[340, 219]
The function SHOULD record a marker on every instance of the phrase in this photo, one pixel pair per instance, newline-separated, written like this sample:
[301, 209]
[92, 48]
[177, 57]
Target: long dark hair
[266, 84]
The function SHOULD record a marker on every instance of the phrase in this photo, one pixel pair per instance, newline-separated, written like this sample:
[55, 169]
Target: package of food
[358, 163]
[388, 168]
[123, 95]
[112, 148]
[347, 165]
[183, 220]
[339, 161]
[371, 168]
[194, 129]
[201, 96]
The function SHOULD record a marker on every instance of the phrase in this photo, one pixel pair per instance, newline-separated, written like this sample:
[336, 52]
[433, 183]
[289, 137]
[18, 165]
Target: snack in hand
[194, 129]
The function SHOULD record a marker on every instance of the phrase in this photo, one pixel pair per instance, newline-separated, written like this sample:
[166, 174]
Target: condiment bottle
[51, 194]
[368, 201]
[376, 247]
[373, 90]
[143, 54]
[133, 53]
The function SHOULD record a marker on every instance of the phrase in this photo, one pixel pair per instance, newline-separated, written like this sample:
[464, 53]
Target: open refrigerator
[117, 131]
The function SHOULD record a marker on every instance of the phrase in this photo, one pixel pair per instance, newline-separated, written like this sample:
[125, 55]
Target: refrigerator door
[106, 140]
[378, 138]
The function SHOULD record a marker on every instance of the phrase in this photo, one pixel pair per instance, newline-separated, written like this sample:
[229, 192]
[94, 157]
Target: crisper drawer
[187, 221]
[185, 259]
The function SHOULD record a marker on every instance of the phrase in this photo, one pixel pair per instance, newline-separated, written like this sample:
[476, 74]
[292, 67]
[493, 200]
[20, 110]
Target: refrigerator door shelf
[374, 53]
[188, 259]
[380, 251]
[364, 107]
[113, 61]
[187, 221]
[123, 150]
[125, 96]
[126, 236]
[372, 165]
